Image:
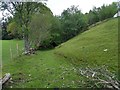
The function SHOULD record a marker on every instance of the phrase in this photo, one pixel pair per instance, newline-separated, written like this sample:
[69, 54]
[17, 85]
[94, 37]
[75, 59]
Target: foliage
[46, 30]
[4, 33]
[22, 12]
[88, 48]
[102, 13]
[73, 22]
[57, 68]
[39, 29]
[49, 31]
[55, 33]
[14, 30]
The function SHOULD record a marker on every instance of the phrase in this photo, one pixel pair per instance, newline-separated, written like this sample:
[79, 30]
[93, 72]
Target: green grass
[57, 67]
[88, 47]
[44, 69]
[9, 50]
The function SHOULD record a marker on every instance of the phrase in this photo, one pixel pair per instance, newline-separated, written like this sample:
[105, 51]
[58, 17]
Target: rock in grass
[105, 50]
[29, 75]
[11, 87]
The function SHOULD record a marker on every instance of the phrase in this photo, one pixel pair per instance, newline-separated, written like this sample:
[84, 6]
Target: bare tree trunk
[26, 39]
[26, 43]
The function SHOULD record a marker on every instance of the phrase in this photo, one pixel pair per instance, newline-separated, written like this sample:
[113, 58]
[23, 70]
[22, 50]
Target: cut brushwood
[5, 79]
[30, 51]
[100, 77]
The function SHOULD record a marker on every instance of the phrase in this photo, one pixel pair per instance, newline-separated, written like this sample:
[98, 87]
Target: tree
[23, 11]
[40, 28]
[4, 34]
[73, 22]
[56, 31]
[14, 30]
[101, 13]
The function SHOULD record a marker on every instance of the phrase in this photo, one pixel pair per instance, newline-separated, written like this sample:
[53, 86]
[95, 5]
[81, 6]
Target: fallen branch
[30, 51]
[5, 79]
[101, 77]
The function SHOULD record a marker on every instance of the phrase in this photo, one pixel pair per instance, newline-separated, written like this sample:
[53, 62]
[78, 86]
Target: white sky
[57, 6]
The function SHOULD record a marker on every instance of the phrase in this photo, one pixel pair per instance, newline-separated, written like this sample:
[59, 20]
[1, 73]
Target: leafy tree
[55, 32]
[4, 34]
[4, 31]
[101, 13]
[14, 30]
[93, 16]
[23, 11]
[73, 22]
[108, 11]
[40, 28]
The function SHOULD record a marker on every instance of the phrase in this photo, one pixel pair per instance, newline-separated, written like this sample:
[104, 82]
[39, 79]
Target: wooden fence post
[11, 52]
[17, 49]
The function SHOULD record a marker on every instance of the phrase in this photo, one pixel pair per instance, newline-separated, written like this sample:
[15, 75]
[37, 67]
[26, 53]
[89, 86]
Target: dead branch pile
[101, 77]
[5, 79]
[31, 51]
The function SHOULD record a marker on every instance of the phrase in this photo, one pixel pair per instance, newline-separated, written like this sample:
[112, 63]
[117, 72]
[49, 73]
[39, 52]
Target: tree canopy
[36, 19]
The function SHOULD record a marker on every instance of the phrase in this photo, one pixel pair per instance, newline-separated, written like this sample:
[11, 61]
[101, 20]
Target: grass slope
[42, 70]
[9, 49]
[88, 47]
[56, 68]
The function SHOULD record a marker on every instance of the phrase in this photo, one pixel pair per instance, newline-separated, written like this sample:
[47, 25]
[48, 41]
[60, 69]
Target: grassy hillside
[42, 70]
[56, 68]
[88, 47]
[9, 50]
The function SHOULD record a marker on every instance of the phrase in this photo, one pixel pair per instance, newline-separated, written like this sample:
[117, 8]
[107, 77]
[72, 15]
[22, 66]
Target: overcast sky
[57, 6]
